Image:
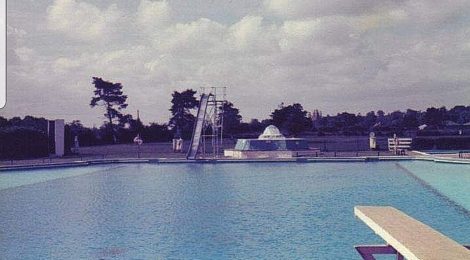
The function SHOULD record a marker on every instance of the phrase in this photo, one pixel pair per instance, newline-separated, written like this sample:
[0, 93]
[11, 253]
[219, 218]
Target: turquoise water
[450, 180]
[212, 211]
[19, 178]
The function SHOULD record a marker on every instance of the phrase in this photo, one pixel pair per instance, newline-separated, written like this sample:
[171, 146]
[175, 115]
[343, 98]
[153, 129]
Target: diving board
[406, 236]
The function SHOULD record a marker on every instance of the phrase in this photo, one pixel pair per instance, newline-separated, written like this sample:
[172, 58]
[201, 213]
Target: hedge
[441, 143]
[22, 143]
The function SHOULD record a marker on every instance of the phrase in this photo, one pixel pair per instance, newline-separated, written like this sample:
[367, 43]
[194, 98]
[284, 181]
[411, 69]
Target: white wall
[59, 137]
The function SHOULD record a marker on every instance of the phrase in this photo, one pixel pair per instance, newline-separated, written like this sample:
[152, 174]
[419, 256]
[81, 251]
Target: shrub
[22, 143]
[443, 143]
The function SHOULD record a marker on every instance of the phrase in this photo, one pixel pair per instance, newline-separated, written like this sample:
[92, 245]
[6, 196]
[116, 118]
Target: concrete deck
[26, 165]
[74, 162]
[410, 237]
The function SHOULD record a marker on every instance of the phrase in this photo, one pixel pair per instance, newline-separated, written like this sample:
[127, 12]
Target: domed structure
[271, 133]
[271, 144]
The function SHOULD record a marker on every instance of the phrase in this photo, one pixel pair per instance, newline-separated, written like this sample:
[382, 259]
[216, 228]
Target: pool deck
[25, 165]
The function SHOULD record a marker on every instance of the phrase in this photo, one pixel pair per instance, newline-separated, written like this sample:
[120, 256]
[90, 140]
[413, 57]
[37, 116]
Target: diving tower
[207, 137]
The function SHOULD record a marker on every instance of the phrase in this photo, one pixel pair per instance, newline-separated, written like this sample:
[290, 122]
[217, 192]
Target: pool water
[212, 211]
[449, 180]
[19, 178]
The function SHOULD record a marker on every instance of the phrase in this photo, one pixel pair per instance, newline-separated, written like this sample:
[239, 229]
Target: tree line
[23, 137]
[432, 122]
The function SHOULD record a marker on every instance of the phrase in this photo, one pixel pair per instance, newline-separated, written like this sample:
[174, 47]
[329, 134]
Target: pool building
[271, 144]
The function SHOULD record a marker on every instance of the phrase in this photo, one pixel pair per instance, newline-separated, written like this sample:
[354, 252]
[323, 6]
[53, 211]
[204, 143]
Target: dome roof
[271, 132]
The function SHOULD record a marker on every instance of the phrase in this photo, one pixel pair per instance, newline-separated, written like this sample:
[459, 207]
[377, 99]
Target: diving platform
[406, 237]
[208, 125]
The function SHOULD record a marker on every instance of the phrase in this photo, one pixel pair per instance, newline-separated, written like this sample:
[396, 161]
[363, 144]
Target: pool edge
[84, 163]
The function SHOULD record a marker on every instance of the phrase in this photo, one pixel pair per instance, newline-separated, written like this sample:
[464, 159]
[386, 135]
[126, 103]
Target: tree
[411, 119]
[110, 96]
[232, 118]
[459, 114]
[156, 133]
[136, 125]
[19, 142]
[3, 122]
[182, 120]
[345, 119]
[435, 116]
[76, 127]
[369, 120]
[292, 118]
[86, 136]
[131, 125]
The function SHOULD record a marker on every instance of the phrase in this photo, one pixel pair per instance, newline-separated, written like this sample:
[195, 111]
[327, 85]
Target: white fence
[399, 143]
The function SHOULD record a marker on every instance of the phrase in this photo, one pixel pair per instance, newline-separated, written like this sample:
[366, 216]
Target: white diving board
[407, 237]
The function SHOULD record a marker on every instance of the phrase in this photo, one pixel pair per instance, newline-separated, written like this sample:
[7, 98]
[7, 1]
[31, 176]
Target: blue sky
[335, 56]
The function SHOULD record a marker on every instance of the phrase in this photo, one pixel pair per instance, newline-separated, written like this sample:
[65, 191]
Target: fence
[399, 144]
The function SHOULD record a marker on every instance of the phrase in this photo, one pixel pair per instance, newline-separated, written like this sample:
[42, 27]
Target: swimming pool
[449, 180]
[214, 211]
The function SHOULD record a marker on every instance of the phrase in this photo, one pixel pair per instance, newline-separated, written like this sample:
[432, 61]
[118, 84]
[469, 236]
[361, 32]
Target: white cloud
[24, 53]
[297, 34]
[200, 37]
[324, 54]
[81, 20]
[15, 48]
[15, 32]
[252, 34]
[319, 8]
[152, 15]
[64, 64]
[247, 30]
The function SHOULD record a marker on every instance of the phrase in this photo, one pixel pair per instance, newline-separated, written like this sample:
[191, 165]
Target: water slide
[197, 130]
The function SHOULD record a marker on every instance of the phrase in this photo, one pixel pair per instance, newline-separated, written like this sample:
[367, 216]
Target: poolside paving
[151, 151]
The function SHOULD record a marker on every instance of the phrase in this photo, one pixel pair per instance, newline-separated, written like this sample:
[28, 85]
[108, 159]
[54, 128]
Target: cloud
[152, 15]
[319, 8]
[247, 30]
[15, 42]
[252, 34]
[81, 20]
[24, 53]
[332, 55]
[64, 64]
[15, 32]
[200, 37]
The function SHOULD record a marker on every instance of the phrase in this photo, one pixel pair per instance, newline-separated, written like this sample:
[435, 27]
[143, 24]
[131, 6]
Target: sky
[335, 55]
